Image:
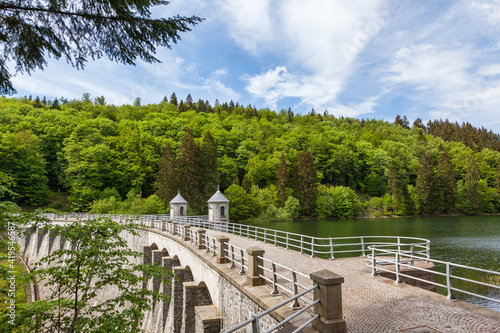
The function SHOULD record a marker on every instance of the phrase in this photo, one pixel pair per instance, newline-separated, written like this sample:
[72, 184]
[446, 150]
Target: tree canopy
[123, 30]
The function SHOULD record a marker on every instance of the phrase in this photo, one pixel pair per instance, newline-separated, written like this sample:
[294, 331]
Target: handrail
[314, 246]
[379, 255]
[255, 318]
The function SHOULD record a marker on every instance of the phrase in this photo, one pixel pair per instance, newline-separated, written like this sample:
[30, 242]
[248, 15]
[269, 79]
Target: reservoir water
[467, 240]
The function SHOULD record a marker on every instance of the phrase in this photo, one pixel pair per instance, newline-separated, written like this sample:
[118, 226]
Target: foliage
[77, 31]
[97, 258]
[87, 149]
[243, 205]
[337, 201]
[133, 205]
[292, 207]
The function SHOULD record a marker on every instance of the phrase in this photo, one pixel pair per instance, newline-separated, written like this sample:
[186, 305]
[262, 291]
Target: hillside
[107, 158]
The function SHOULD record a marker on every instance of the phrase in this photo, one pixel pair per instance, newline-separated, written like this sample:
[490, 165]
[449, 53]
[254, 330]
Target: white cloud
[445, 82]
[355, 110]
[317, 41]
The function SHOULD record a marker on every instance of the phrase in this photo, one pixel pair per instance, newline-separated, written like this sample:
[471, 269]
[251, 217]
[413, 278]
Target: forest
[86, 155]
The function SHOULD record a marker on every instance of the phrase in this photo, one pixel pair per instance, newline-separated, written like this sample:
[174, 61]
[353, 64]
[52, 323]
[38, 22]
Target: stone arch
[164, 252]
[204, 297]
[154, 246]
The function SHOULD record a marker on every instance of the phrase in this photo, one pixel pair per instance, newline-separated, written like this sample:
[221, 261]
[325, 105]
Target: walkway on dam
[375, 304]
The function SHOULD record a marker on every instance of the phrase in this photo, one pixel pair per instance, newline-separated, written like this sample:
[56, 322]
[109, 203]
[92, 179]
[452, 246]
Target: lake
[466, 240]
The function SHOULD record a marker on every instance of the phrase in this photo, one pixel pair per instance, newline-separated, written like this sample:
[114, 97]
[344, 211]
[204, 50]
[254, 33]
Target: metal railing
[285, 281]
[399, 257]
[254, 320]
[236, 256]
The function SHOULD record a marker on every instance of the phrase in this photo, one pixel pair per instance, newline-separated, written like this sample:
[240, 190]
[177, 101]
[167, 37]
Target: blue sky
[357, 58]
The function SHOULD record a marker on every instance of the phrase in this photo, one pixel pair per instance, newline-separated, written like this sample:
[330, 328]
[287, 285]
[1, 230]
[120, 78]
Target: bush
[337, 201]
[243, 206]
[292, 207]
[274, 214]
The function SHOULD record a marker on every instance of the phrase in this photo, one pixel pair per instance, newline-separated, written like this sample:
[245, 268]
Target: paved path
[376, 304]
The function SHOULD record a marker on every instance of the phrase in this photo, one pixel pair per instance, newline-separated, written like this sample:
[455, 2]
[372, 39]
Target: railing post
[448, 282]
[331, 249]
[287, 241]
[275, 237]
[242, 270]
[412, 251]
[374, 263]
[363, 254]
[174, 227]
[201, 234]
[428, 249]
[186, 232]
[295, 303]
[399, 244]
[312, 247]
[255, 325]
[221, 258]
[301, 244]
[398, 269]
[254, 271]
[275, 280]
[163, 225]
[151, 223]
[232, 258]
[329, 308]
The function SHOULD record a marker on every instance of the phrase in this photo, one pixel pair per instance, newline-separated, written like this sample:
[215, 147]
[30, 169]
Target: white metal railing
[285, 281]
[236, 256]
[314, 246]
[399, 257]
[254, 320]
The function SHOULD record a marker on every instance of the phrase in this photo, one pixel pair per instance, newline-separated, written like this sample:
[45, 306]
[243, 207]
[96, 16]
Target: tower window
[223, 211]
[182, 211]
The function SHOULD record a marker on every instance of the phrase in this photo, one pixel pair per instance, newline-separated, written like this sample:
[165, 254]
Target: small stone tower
[218, 207]
[178, 206]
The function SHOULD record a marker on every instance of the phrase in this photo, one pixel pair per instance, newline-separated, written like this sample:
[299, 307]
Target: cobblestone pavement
[376, 304]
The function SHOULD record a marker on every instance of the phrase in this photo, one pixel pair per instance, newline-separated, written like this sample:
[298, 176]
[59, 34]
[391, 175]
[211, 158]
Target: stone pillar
[186, 232]
[254, 272]
[208, 319]
[174, 227]
[147, 258]
[157, 255]
[163, 225]
[221, 258]
[191, 299]
[151, 223]
[168, 263]
[178, 295]
[201, 237]
[329, 308]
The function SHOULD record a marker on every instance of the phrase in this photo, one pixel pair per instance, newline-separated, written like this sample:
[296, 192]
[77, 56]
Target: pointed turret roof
[178, 199]
[218, 197]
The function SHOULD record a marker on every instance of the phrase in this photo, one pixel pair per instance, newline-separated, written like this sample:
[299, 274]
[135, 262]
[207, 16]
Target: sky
[356, 58]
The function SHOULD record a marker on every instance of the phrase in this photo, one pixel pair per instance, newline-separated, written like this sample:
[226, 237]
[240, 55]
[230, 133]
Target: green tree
[471, 194]
[282, 179]
[166, 179]
[31, 30]
[188, 159]
[305, 182]
[428, 186]
[97, 259]
[173, 99]
[243, 206]
[448, 184]
[208, 178]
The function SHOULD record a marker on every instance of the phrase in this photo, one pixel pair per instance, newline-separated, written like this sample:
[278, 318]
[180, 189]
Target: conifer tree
[448, 183]
[33, 30]
[282, 178]
[166, 178]
[188, 160]
[427, 186]
[473, 192]
[189, 101]
[305, 182]
[209, 178]
[173, 99]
